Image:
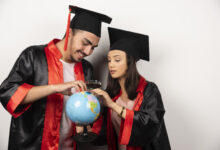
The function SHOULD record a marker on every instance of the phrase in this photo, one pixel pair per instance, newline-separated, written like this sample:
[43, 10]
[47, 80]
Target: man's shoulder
[34, 48]
[33, 51]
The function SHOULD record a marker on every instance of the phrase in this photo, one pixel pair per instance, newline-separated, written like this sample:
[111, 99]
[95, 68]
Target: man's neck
[60, 47]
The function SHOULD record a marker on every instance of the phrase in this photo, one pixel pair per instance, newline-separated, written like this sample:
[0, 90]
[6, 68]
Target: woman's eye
[117, 60]
[109, 60]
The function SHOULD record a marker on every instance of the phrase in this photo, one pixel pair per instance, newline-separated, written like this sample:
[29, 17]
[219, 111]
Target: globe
[83, 108]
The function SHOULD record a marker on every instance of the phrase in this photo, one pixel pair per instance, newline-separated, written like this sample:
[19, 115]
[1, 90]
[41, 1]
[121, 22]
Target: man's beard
[74, 60]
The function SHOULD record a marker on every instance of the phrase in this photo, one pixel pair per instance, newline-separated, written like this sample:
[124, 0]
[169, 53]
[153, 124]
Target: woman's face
[117, 63]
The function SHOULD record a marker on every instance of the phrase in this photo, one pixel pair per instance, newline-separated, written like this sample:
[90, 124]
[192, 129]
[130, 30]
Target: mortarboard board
[86, 20]
[133, 44]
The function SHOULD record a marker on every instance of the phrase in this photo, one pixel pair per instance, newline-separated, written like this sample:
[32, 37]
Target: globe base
[85, 137]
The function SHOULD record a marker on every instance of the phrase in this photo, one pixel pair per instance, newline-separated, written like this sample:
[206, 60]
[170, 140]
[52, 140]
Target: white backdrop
[184, 47]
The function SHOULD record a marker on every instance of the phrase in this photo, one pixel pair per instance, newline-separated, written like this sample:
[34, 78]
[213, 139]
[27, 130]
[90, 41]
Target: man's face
[80, 45]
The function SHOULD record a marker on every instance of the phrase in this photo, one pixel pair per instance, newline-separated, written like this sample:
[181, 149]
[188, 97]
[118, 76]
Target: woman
[135, 108]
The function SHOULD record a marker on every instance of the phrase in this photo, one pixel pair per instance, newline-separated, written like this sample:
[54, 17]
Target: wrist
[112, 105]
[53, 88]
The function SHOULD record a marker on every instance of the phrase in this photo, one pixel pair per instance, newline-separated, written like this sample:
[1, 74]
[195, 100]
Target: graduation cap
[133, 44]
[86, 20]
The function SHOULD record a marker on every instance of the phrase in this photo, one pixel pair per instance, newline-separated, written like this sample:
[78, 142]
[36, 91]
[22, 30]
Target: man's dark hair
[74, 31]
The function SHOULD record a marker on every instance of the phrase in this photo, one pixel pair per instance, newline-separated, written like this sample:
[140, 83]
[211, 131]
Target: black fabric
[17, 76]
[148, 128]
[88, 20]
[102, 139]
[31, 67]
[133, 44]
[26, 130]
[87, 70]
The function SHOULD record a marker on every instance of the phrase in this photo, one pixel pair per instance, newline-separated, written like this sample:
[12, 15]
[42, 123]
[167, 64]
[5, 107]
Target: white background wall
[184, 47]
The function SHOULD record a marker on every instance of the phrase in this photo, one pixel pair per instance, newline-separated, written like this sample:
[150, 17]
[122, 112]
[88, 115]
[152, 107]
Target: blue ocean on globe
[83, 108]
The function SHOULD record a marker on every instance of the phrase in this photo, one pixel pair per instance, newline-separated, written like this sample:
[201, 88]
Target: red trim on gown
[54, 106]
[126, 124]
[17, 98]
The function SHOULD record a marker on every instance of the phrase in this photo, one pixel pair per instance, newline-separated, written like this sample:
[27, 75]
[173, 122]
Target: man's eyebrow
[117, 55]
[90, 43]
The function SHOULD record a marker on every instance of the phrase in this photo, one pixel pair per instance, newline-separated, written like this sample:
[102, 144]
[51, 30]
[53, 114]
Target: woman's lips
[112, 71]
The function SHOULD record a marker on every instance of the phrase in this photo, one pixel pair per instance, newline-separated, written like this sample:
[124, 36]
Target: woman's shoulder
[150, 84]
[151, 95]
[151, 87]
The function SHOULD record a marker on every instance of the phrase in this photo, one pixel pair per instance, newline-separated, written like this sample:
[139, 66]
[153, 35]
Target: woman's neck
[123, 90]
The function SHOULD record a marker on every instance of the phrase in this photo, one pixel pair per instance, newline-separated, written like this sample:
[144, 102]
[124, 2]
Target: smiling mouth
[81, 55]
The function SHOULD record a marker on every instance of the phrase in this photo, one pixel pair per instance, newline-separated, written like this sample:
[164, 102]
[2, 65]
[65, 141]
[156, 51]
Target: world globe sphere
[83, 108]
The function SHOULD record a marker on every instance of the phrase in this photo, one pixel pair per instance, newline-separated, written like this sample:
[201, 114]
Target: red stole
[126, 124]
[54, 105]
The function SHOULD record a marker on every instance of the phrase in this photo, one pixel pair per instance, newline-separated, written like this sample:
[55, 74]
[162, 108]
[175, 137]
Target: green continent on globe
[92, 106]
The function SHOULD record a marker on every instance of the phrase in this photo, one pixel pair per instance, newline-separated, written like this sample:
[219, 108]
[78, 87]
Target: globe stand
[85, 136]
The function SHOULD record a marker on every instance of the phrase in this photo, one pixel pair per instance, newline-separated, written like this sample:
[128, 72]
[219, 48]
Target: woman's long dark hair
[132, 78]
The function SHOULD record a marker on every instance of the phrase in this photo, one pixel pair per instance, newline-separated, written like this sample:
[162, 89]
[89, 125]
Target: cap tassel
[67, 30]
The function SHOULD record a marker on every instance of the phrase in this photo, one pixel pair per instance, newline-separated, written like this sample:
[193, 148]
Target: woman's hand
[107, 101]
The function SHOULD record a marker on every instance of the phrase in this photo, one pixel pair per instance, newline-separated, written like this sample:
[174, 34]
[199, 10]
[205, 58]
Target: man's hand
[79, 129]
[38, 92]
[65, 88]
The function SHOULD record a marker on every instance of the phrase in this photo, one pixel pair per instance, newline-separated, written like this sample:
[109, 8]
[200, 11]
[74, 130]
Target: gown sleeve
[142, 126]
[16, 86]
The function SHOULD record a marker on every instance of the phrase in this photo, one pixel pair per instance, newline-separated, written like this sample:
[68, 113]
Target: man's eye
[84, 43]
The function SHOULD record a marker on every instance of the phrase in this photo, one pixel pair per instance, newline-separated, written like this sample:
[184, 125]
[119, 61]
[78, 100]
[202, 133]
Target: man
[36, 88]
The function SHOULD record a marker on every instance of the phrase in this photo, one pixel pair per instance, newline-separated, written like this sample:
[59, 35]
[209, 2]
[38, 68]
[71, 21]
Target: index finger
[83, 85]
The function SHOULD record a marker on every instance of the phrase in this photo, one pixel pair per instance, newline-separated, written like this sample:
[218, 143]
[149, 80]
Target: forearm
[38, 92]
[118, 109]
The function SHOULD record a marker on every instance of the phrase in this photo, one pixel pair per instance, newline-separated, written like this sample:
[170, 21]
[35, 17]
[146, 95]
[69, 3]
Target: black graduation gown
[141, 129]
[36, 126]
